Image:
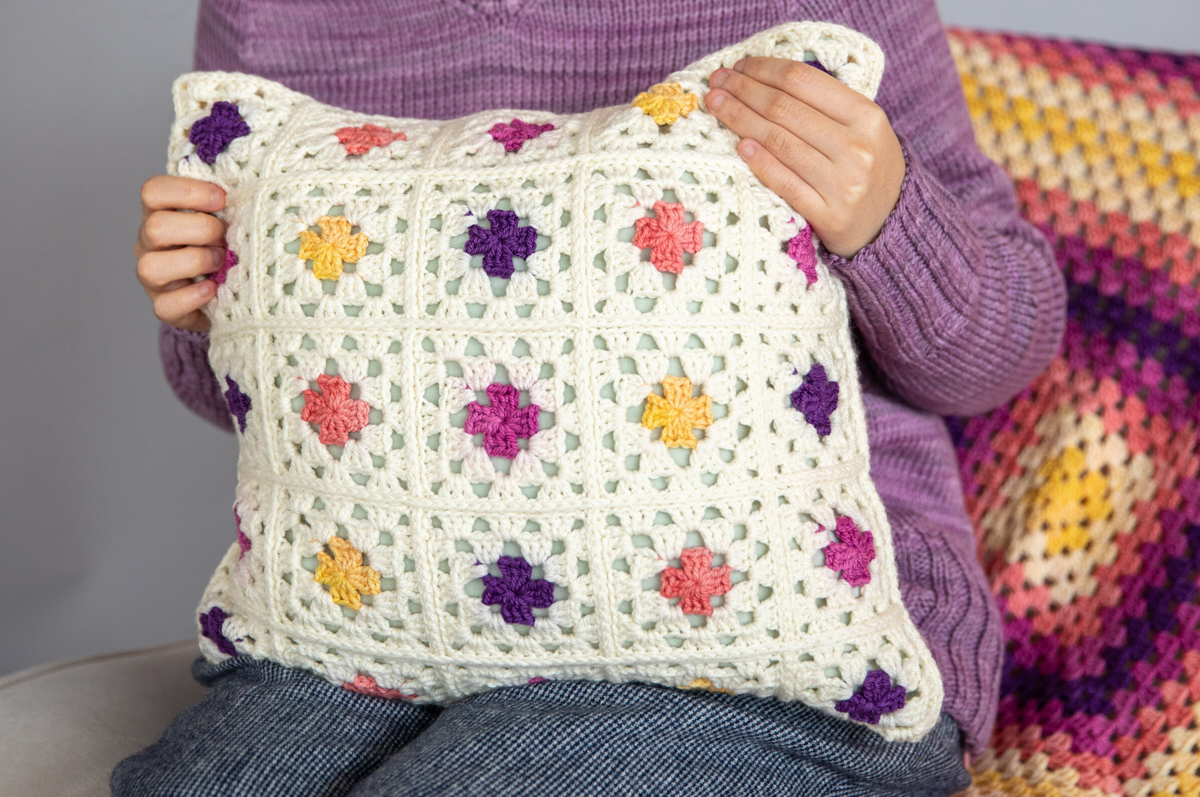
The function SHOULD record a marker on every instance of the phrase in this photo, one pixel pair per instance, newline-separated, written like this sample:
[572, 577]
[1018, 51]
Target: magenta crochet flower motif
[696, 581]
[361, 140]
[367, 685]
[800, 249]
[500, 242]
[334, 411]
[875, 698]
[852, 554]
[816, 399]
[503, 422]
[243, 540]
[515, 591]
[220, 274]
[237, 401]
[668, 236]
[514, 134]
[211, 623]
[213, 133]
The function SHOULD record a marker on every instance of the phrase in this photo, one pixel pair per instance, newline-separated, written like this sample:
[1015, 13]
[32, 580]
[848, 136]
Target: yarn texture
[545, 396]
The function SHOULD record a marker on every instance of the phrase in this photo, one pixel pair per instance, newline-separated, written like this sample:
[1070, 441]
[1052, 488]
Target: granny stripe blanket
[1084, 488]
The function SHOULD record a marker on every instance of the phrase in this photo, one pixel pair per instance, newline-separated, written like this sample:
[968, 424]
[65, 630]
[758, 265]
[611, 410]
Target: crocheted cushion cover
[1085, 488]
[526, 396]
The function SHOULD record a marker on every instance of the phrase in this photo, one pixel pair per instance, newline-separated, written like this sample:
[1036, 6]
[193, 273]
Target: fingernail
[715, 99]
[218, 256]
[718, 78]
[747, 149]
[217, 200]
[740, 66]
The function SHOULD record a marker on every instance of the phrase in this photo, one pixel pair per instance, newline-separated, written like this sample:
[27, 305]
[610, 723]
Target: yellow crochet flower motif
[677, 412]
[704, 683]
[345, 574]
[332, 247]
[666, 102]
[1070, 498]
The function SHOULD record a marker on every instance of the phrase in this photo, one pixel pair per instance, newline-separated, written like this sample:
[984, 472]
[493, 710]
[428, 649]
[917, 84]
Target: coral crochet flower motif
[678, 412]
[333, 247]
[220, 274]
[215, 132]
[875, 698]
[500, 242]
[345, 574]
[361, 140]
[212, 626]
[695, 582]
[666, 102]
[800, 249]
[237, 401]
[334, 411]
[503, 422]
[668, 236]
[367, 685]
[852, 554]
[515, 591]
[514, 134]
[816, 399]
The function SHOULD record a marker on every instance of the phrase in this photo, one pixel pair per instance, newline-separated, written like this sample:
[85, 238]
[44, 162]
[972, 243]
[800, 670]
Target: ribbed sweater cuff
[912, 288]
[185, 364]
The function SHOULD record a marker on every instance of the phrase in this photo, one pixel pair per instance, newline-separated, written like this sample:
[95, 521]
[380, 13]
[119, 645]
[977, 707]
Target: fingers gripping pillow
[525, 396]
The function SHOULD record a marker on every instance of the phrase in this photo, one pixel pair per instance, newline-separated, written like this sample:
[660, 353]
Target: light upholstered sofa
[64, 725]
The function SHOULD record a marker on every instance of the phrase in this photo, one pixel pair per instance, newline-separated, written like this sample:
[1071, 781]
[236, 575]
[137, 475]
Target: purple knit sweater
[957, 304]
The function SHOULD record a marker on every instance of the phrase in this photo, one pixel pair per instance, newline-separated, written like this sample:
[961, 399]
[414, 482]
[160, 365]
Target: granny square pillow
[525, 396]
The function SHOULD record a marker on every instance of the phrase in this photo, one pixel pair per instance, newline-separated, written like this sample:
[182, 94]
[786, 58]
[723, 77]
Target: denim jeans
[272, 731]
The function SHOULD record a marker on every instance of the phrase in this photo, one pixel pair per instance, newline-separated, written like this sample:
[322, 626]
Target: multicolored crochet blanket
[1084, 489]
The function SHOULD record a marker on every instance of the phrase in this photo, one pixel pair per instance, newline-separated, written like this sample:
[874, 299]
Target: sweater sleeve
[185, 363]
[959, 301]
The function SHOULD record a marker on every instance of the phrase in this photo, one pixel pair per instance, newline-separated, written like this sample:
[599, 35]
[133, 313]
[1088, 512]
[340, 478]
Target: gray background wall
[114, 499]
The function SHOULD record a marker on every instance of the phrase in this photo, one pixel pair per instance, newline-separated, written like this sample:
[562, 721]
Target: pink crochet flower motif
[514, 134]
[800, 249]
[668, 236]
[696, 581]
[243, 540]
[366, 685]
[361, 140]
[334, 410]
[503, 422]
[220, 274]
[852, 554]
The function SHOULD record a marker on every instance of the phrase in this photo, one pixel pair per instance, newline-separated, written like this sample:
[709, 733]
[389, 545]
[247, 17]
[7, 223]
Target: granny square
[525, 396]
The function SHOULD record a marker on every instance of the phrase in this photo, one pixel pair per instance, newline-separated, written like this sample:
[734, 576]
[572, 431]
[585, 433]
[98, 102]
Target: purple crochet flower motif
[800, 249]
[514, 135]
[515, 591]
[243, 540]
[220, 274]
[239, 402]
[212, 134]
[852, 554]
[876, 698]
[210, 626]
[816, 398]
[501, 243]
[503, 422]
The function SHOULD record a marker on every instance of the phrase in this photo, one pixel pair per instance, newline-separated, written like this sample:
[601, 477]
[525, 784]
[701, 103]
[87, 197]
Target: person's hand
[819, 144]
[173, 247]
